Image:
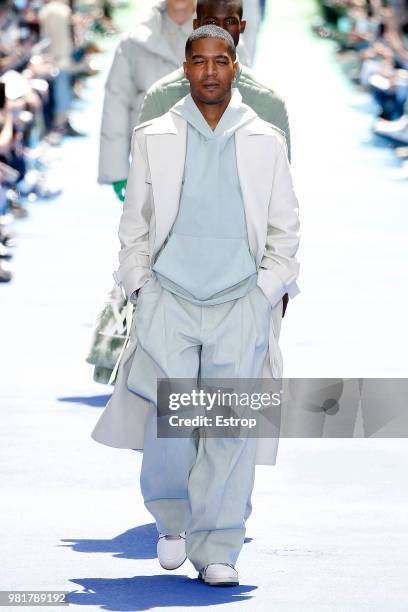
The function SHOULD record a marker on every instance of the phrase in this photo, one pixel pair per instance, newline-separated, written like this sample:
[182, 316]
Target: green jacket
[173, 87]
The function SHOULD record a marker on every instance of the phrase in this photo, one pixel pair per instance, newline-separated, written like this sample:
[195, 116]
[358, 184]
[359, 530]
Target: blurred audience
[372, 37]
[46, 49]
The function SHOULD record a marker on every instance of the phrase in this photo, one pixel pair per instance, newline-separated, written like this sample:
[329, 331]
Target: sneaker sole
[214, 582]
[170, 569]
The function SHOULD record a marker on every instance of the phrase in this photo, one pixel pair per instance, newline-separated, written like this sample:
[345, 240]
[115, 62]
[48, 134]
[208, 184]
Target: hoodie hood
[235, 116]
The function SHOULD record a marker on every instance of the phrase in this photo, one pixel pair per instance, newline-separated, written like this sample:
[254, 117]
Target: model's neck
[212, 113]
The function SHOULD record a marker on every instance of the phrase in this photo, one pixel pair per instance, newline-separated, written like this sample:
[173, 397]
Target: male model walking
[227, 14]
[113, 322]
[209, 234]
[150, 50]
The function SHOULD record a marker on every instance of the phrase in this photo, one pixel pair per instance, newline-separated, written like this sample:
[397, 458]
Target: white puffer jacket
[142, 57]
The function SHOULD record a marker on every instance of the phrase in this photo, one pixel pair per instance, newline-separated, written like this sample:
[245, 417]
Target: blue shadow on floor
[136, 543]
[144, 592]
[98, 401]
[378, 140]
[150, 592]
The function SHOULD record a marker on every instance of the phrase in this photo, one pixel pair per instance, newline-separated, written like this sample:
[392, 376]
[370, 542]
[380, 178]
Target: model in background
[226, 14]
[153, 48]
[252, 14]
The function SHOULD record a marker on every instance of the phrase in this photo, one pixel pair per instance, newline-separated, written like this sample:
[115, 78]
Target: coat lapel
[166, 141]
[166, 150]
[254, 170]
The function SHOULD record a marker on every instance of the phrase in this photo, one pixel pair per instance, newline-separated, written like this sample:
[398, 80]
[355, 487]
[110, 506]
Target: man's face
[224, 14]
[210, 69]
[181, 10]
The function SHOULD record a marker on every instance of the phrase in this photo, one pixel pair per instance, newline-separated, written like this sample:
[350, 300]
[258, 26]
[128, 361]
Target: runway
[328, 530]
[350, 317]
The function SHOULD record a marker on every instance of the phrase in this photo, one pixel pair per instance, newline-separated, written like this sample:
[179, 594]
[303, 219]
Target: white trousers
[201, 485]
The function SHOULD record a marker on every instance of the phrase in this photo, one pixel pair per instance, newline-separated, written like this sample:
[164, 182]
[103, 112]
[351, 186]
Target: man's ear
[242, 26]
[196, 24]
[185, 68]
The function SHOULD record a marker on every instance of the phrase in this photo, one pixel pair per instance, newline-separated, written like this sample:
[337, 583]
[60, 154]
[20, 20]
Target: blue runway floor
[328, 531]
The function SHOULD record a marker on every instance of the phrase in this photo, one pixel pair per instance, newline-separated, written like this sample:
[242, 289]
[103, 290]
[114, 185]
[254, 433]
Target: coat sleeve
[134, 268]
[152, 106]
[279, 267]
[116, 125]
[281, 119]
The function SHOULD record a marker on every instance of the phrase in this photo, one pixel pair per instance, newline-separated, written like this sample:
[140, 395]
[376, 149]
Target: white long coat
[150, 209]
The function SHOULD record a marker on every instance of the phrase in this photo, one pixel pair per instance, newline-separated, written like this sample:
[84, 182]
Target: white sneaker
[395, 130]
[219, 574]
[385, 126]
[171, 550]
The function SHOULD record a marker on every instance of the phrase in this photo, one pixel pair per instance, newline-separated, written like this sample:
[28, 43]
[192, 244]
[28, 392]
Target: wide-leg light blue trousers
[201, 485]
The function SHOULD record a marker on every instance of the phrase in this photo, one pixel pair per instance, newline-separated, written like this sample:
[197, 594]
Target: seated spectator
[44, 47]
[377, 36]
[6, 140]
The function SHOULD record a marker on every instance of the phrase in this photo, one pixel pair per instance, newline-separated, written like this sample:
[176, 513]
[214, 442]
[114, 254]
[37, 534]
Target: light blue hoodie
[206, 258]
